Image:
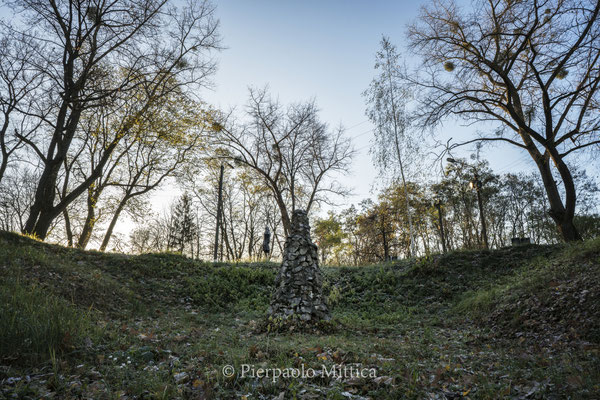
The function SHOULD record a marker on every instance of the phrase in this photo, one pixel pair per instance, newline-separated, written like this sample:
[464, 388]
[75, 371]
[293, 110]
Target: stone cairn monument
[298, 293]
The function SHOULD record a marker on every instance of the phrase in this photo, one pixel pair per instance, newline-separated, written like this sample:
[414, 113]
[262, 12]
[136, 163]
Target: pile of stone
[298, 286]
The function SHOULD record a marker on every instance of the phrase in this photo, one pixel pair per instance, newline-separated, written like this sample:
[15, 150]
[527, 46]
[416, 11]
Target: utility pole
[438, 205]
[219, 207]
[477, 185]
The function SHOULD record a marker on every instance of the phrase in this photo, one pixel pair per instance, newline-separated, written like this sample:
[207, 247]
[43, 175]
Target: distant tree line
[514, 207]
[99, 108]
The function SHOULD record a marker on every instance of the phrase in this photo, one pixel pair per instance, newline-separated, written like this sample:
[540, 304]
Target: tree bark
[43, 211]
[43, 201]
[561, 215]
[90, 219]
[3, 163]
[285, 217]
[112, 224]
[68, 228]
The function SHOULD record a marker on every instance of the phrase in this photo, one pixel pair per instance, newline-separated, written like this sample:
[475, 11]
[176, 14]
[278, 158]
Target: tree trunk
[438, 205]
[285, 217]
[411, 246]
[90, 219]
[112, 224]
[481, 214]
[39, 219]
[3, 150]
[561, 215]
[228, 250]
[43, 211]
[68, 228]
[251, 241]
[3, 165]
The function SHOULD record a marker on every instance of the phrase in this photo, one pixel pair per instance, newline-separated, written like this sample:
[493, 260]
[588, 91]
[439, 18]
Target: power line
[523, 159]
[356, 125]
[363, 147]
[362, 133]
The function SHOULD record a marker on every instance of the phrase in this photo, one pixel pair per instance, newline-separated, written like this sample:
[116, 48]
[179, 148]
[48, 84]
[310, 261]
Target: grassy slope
[507, 323]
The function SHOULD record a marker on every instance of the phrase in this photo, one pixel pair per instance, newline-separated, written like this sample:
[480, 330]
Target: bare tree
[396, 149]
[246, 210]
[17, 191]
[78, 46]
[289, 149]
[152, 235]
[531, 67]
[166, 144]
[17, 82]
[104, 123]
[140, 162]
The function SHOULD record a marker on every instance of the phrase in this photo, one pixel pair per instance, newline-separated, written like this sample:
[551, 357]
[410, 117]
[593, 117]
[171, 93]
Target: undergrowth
[509, 323]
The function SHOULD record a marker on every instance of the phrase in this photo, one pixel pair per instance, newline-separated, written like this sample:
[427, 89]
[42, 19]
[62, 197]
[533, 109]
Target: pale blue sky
[322, 49]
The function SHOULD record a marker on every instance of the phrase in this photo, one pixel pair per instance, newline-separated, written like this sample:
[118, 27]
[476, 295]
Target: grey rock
[298, 284]
[181, 377]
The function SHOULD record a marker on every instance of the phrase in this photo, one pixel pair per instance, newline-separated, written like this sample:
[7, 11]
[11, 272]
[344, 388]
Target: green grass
[507, 323]
[230, 287]
[556, 289]
[35, 325]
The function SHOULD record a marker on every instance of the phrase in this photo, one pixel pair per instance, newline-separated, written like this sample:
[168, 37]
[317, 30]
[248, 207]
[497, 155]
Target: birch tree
[386, 98]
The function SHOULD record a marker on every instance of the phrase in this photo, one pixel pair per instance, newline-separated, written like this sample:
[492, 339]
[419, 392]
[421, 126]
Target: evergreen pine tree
[183, 227]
